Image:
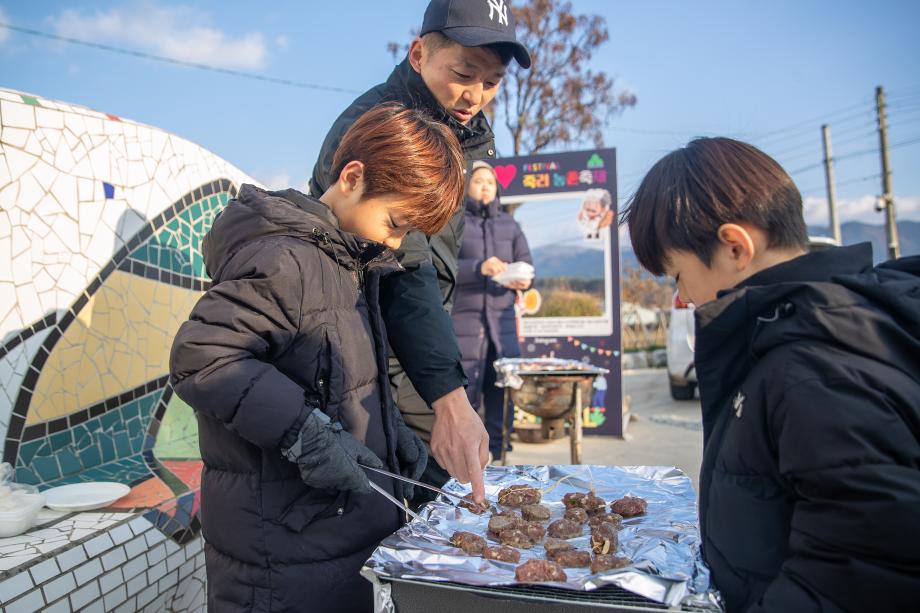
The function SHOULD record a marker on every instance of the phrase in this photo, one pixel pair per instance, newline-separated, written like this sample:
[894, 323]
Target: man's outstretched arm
[422, 337]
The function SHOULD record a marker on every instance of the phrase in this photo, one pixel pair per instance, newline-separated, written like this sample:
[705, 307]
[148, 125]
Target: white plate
[84, 496]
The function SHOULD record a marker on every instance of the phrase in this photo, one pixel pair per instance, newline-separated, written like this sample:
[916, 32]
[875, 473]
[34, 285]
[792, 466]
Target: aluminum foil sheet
[510, 370]
[664, 544]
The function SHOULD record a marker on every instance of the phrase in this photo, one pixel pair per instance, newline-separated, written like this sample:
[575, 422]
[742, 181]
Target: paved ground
[662, 432]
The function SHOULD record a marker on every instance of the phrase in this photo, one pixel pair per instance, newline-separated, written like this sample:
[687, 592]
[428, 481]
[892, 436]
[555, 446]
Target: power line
[169, 60]
[855, 154]
[826, 118]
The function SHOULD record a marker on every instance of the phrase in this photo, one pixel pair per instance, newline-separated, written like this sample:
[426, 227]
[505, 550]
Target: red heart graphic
[505, 174]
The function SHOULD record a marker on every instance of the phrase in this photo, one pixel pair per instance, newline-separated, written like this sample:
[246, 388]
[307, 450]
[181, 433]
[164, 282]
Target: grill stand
[573, 419]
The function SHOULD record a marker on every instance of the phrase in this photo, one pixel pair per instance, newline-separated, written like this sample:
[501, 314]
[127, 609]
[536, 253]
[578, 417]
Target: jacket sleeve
[220, 360]
[851, 458]
[469, 271]
[419, 329]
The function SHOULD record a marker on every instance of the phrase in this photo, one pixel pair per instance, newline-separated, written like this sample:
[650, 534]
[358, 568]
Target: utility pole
[831, 189]
[887, 199]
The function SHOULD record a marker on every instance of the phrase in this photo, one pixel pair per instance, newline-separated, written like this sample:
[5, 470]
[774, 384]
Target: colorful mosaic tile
[115, 435]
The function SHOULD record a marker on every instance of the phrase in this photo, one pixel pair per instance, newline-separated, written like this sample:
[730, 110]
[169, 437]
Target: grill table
[411, 596]
[551, 395]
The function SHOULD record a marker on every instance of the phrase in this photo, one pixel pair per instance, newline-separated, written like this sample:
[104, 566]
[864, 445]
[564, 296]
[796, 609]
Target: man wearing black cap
[453, 70]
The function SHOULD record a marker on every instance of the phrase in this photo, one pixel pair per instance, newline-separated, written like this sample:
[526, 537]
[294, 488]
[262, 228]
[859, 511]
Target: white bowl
[16, 522]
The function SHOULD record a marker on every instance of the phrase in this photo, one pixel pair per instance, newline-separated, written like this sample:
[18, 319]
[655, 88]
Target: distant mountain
[553, 261]
[858, 232]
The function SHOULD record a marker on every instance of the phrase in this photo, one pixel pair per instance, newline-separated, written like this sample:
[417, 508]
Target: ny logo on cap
[498, 6]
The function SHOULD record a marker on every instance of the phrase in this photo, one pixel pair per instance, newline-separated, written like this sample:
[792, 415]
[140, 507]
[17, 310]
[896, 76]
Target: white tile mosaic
[57, 588]
[101, 543]
[15, 586]
[75, 142]
[114, 558]
[115, 597]
[70, 558]
[29, 603]
[129, 606]
[44, 571]
[156, 554]
[136, 584]
[61, 606]
[17, 115]
[84, 595]
[156, 572]
[146, 595]
[111, 580]
[121, 534]
[136, 547]
[87, 572]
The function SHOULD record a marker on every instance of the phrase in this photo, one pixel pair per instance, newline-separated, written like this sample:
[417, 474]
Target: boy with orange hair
[284, 361]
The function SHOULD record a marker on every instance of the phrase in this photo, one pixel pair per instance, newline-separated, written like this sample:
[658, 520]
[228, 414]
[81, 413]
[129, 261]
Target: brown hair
[690, 192]
[407, 153]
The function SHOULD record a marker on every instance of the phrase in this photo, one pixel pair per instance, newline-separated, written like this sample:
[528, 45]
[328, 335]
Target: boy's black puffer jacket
[809, 375]
[291, 322]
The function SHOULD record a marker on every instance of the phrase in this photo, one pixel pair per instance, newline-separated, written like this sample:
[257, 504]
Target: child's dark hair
[692, 191]
[407, 153]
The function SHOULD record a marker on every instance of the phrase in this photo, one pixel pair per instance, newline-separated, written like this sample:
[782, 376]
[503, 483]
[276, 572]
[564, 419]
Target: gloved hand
[411, 454]
[328, 456]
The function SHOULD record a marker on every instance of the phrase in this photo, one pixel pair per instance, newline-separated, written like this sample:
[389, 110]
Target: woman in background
[483, 313]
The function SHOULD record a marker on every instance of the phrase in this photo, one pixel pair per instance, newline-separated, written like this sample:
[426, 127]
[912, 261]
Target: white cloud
[178, 32]
[281, 180]
[860, 209]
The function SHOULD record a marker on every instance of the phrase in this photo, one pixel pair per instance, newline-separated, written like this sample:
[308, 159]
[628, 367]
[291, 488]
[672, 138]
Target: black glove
[328, 456]
[411, 454]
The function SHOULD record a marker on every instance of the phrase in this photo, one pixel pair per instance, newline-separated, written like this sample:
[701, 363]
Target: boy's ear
[351, 179]
[417, 52]
[739, 244]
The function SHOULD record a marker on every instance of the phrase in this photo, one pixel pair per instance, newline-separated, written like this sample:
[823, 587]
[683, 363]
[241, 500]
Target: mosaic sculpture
[101, 224]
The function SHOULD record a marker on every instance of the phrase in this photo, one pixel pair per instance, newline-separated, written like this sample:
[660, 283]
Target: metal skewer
[412, 481]
[402, 506]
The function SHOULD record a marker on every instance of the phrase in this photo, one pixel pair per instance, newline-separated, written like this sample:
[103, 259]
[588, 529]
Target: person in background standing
[483, 313]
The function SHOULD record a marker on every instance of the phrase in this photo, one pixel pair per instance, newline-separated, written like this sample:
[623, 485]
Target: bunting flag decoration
[592, 349]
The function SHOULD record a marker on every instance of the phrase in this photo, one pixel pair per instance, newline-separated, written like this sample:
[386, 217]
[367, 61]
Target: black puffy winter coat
[484, 310]
[809, 375]
[291, 322]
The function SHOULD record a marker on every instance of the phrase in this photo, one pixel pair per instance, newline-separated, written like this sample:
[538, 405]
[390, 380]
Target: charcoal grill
[554, 396]
[415, 596]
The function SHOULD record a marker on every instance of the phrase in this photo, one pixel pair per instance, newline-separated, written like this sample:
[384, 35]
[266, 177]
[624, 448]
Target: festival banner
[566, 204]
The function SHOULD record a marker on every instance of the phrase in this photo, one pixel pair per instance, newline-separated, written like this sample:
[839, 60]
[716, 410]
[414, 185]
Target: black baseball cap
[474, 23]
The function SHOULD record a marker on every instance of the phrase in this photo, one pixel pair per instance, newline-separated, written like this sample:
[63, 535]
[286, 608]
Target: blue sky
[766, 72]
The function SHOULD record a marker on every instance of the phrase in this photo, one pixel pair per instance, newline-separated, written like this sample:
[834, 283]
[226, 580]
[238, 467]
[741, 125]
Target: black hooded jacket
[809, 375]
[418, 327]
[291, 323]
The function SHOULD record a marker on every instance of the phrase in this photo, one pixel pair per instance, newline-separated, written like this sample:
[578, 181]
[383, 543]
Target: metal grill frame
[609, 597]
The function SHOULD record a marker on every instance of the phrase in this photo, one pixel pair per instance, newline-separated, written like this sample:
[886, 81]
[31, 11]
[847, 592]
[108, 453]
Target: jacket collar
[478, 209]
[726, 327]
[408, 87]
[309, 219]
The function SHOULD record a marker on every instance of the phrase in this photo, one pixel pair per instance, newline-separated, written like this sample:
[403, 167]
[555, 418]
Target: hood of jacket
[833, 296]
[407, 86]
[257, 214]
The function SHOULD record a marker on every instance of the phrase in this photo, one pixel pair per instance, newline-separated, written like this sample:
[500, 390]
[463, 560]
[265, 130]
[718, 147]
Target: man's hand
[490, 268]
[459, 441]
